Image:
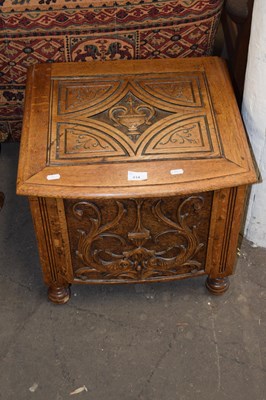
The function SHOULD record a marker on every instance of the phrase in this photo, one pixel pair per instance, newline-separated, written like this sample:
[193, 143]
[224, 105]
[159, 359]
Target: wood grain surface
[91, 124]
[136, 172]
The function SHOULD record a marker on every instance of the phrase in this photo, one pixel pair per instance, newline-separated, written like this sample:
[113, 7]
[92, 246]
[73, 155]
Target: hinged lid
[131, 128]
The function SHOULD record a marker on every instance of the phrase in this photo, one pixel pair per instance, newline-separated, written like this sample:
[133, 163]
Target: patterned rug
[37, 31]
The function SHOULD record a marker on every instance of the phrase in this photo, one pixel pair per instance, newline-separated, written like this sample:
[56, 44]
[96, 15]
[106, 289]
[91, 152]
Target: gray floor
[154, 342]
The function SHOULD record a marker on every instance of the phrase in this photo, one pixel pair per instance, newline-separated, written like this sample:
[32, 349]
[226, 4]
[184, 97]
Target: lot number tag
[137, 176]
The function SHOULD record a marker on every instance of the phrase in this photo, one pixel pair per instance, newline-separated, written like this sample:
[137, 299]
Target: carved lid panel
[131, 118]
[87, 126]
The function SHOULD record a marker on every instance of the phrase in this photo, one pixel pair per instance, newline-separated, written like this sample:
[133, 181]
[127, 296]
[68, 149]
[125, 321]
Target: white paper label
[137, 176]
[176, 171]
[53, 177]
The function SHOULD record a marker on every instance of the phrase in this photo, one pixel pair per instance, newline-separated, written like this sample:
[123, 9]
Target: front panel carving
[138, 239]
[131, 118]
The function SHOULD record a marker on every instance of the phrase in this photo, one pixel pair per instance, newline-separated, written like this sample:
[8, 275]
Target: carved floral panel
[138, 239]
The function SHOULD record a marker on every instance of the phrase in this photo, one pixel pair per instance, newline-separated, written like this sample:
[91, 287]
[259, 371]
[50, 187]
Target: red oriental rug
[37, 31]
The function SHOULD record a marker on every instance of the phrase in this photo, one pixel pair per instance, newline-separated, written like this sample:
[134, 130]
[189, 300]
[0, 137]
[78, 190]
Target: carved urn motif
[132, 115]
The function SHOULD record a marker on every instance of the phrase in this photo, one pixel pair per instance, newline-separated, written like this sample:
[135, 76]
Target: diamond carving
[155, 116]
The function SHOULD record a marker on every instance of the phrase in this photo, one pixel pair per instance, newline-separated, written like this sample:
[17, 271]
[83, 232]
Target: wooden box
[136, 171]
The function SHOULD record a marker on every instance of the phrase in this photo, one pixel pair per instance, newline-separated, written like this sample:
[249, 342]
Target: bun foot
[217, 286]
[59, 294]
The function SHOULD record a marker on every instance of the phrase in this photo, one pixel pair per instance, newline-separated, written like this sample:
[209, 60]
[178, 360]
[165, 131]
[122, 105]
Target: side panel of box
[227, 213]
[53, 244]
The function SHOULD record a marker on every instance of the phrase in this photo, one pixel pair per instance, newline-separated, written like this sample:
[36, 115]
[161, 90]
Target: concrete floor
[169, 341]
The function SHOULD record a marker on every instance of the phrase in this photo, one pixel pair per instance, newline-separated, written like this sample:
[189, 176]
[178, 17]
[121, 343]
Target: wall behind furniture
[254, 115]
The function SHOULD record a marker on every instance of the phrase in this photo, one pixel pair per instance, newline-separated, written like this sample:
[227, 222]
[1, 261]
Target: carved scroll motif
[89, 141]
[181, 136]
[140, 254]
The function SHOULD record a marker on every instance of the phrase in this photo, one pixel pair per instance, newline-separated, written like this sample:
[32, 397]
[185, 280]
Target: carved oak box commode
[136, 171]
